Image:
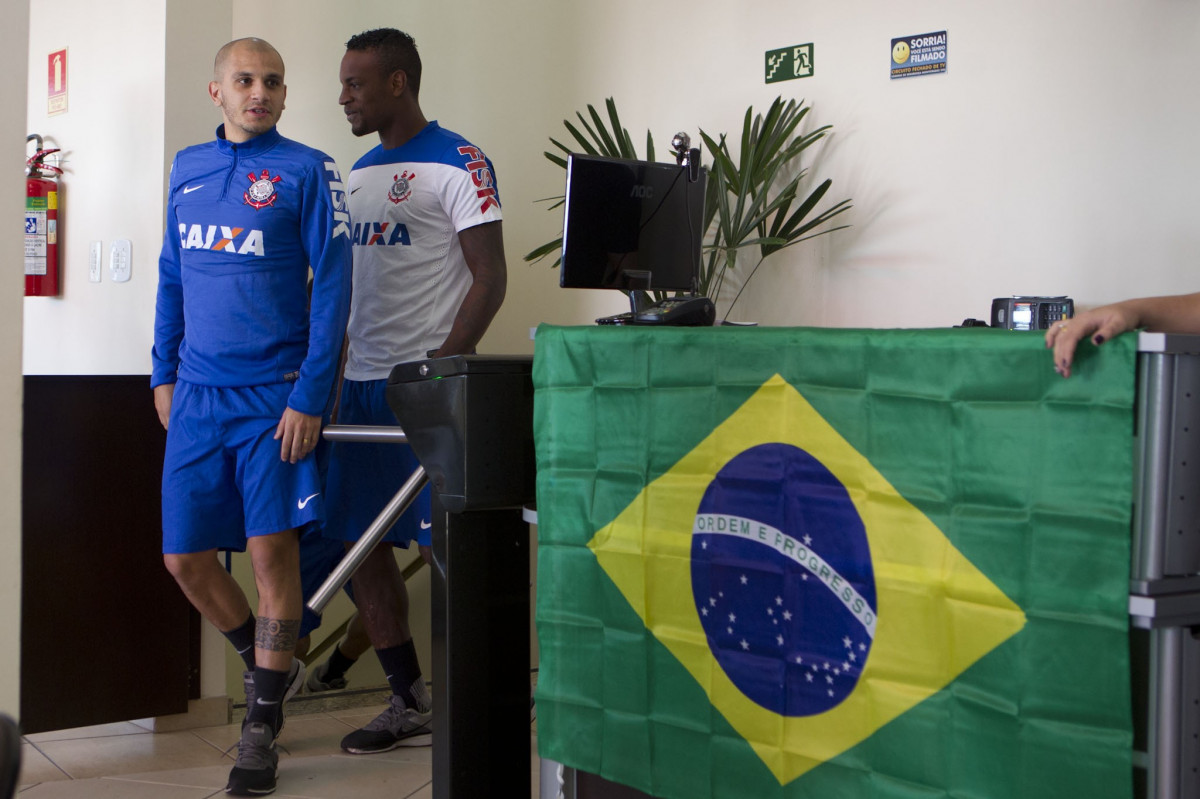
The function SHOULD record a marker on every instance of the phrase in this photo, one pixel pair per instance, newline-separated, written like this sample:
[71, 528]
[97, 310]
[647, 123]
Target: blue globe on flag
[782, 580]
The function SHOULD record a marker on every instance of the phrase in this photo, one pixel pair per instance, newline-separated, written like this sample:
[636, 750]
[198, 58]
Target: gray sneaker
[317, 682]
[396, 726]
[257, 764]
[295, 683]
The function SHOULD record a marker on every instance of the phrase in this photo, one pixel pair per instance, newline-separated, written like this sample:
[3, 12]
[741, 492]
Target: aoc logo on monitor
[641, 192]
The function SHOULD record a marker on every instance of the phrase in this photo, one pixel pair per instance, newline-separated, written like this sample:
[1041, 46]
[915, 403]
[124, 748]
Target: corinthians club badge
[262, 190]
[402, 188]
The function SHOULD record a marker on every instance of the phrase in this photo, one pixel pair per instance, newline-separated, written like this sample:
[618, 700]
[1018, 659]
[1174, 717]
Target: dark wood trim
[104, 629]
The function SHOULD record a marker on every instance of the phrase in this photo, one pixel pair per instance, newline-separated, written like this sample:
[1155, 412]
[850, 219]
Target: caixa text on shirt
[220, 237]
[381, 234]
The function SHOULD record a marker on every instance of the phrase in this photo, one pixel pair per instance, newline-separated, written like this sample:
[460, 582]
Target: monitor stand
[674, 311]
[638, 281]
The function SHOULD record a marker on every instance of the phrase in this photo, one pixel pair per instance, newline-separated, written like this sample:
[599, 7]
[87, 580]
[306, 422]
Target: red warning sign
[56, 91]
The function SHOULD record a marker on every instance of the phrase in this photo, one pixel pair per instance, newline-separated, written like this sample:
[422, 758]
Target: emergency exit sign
[56, 82]
[789, 63]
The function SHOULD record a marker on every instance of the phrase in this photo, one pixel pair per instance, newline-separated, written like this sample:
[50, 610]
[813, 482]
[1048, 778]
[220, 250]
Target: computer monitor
[631, 225]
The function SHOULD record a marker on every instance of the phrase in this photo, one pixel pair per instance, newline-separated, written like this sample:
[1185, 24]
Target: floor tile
[303, 736]
[96, 731]
[190, 765]
[365, 778]
[357, 716]
[122, 754]
[36, 767]
[361, 714]
[223, 737]
[422, 755]
[113, 789]
[313, 735]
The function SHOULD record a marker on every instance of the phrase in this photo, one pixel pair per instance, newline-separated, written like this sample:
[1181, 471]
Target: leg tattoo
[276, 635]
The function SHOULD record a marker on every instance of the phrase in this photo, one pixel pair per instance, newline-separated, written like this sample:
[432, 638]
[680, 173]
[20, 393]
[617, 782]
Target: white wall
[14, 36]
[112, 149]
[498, 73]
[1055, 156]
[1052, 157]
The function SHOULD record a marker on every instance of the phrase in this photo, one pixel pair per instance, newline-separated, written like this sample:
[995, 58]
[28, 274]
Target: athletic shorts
[363, 477]
[223, 480]
[318, 557]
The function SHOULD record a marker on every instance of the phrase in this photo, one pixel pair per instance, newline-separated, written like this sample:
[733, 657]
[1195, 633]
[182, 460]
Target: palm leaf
[756, 200]
[608, 146]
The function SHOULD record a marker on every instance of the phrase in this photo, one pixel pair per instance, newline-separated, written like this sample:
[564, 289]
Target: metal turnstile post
[1165, 574]
[470, 421]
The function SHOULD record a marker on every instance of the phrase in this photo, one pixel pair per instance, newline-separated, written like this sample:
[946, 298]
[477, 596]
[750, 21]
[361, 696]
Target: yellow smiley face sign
[900, 52]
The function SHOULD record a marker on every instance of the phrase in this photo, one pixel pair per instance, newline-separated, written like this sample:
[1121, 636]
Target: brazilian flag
[788, 562]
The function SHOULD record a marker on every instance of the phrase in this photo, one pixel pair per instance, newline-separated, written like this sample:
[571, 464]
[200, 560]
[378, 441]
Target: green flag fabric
[788, 562]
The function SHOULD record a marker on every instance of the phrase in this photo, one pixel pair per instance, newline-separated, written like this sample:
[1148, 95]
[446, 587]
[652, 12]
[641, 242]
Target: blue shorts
[318, 557]
[363, 477]
[223, 480]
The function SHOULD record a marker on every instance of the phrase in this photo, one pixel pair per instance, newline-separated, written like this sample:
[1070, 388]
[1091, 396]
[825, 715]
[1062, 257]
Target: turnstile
[469, 419]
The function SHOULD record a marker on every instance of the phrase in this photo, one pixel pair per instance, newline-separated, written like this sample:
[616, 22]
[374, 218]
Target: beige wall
[1055, 156]
[112, 148]
[14, 35]
[1042, 162]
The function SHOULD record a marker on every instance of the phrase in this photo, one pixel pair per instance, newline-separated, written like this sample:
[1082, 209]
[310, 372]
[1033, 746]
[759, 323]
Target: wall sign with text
[924, 54]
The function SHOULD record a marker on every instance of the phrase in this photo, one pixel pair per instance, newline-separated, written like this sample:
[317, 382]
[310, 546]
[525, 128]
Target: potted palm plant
[755, 205]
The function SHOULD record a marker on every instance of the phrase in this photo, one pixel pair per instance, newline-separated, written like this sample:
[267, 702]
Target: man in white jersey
[429, 276]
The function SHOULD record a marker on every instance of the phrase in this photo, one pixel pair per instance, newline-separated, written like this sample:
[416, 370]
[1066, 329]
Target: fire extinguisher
[41, 223]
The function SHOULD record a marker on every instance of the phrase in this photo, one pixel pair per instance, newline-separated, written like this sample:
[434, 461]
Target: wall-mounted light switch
[120, 261]
[95, 259]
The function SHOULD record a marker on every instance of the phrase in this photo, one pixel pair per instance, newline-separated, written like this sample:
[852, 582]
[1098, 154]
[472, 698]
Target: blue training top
[244, 223]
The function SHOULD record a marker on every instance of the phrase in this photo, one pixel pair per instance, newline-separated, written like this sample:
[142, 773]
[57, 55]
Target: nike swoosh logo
[190, 189]
[425, 525]
[300, 503]
[356, 188]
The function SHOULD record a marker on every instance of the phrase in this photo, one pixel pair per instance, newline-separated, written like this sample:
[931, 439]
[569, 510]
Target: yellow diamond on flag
[839, 640]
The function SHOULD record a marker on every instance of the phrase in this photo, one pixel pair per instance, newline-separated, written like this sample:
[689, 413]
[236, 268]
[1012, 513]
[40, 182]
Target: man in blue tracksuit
[243, 370]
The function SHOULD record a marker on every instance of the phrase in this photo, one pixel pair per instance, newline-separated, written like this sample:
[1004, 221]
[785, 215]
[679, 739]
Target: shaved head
[248, 86]
[249, 45]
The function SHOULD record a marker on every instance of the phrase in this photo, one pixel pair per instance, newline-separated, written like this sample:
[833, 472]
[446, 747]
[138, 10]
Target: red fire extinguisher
[41, 223]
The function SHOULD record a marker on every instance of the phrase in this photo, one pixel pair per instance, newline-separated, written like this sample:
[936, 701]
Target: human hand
[163, 395]
[297, 435]
[1100, 324]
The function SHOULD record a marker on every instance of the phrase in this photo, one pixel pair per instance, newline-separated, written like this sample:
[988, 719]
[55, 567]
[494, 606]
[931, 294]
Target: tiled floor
[127, 761]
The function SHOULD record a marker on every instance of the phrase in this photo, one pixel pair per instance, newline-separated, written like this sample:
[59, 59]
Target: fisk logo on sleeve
[481, 175]
[337, 191]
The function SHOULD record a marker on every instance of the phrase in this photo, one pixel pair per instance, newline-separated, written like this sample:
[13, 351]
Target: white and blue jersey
[410, 277]
[408, 205]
